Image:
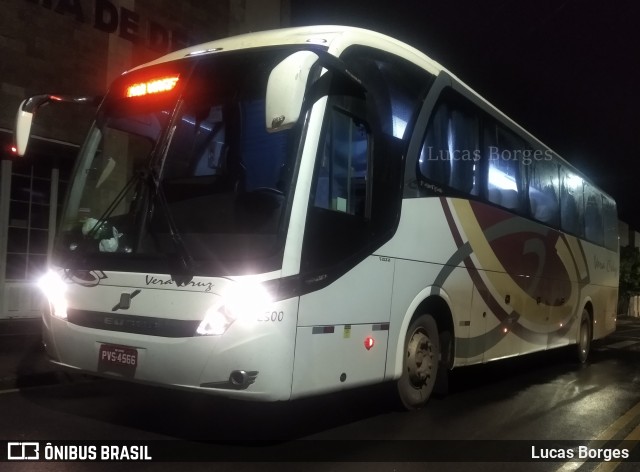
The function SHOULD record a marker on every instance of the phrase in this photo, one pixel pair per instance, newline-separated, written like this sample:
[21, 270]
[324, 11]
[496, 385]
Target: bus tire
[441, 387]
[583, 345]
[420, 364]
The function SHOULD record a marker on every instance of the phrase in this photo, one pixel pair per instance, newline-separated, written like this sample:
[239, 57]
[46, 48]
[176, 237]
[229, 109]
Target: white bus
[292, 212]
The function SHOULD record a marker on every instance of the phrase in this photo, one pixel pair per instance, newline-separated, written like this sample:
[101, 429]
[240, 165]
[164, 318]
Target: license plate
[118, 359]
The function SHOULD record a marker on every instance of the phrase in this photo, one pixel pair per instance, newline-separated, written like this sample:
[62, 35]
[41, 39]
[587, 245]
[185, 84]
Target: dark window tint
[27, 235]
[40, 216]
[593, 229]
[356, 190]
[338, 222]
[544, 203]
[38, 240]
[610, 223]
[342, 177]
[450, 153]
[21, 188]
[17, 241]
[571, 203]
[504, 152]
[16, 266]
[394, 85]
[19, 214]
[469, 153]
[40, 191]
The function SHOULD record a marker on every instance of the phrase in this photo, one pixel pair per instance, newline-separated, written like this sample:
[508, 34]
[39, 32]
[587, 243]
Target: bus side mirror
[285, 90]
[28, 108]
[23, 129]
[24, 119]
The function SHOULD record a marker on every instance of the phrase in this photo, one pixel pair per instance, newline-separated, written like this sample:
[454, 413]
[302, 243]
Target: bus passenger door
[343, 320]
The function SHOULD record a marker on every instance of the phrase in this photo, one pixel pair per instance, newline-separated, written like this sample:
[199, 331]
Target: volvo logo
[125, 301]
[120, 324]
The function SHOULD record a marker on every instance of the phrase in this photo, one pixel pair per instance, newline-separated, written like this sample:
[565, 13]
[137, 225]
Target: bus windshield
[180, 161]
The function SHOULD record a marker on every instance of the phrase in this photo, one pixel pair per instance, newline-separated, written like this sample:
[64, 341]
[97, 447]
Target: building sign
[113, 19]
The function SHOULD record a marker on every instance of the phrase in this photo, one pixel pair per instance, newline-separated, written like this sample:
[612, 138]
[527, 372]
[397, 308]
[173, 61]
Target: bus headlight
[54, 289]
[216, 321]
[243, 300]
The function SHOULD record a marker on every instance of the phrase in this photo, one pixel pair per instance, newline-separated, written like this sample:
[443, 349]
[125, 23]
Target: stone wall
[80, 46]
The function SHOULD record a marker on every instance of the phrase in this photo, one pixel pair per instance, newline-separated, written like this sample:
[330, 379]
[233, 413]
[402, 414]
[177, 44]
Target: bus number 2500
[273, 316]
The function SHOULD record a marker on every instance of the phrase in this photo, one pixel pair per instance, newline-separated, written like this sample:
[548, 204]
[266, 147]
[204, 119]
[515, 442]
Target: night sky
[566, 70]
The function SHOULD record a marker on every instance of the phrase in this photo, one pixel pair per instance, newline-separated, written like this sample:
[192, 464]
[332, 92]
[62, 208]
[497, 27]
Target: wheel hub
[419, 358]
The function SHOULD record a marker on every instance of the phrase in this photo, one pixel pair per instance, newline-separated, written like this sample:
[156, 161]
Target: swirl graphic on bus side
[528, 274]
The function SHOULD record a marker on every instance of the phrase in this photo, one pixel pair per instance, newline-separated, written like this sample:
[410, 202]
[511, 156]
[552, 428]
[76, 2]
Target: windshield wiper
[113, 205]
[185, 271]
[76, 248]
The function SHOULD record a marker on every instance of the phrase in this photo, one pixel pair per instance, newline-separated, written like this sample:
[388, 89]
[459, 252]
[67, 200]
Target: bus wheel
[420, 365]
[584, 338]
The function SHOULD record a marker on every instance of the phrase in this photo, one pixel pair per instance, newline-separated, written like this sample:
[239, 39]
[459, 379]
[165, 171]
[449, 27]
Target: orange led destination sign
[164, 84]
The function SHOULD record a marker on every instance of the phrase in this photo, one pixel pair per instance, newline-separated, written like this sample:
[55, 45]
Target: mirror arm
[334, 64]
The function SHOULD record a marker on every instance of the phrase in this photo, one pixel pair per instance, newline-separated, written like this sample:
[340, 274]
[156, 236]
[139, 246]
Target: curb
[20, 326]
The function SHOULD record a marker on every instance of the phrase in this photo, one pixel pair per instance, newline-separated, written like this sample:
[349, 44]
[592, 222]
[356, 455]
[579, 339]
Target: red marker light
[164, 84]
[14, 149]
[368, 343]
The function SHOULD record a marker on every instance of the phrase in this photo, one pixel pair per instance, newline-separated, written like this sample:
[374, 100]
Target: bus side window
[610, 223]
[504, 152]
[544, 205]
[463, 137]
[449, 155]
[593, 228]
[339, 217]
[571, 203]
[434, 161]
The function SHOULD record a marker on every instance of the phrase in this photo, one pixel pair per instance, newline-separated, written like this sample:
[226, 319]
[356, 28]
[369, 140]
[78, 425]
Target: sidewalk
[20, 326]
[23, 362]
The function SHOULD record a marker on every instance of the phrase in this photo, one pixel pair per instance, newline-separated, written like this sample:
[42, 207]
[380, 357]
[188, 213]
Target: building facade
[628, 237]
[77, 47]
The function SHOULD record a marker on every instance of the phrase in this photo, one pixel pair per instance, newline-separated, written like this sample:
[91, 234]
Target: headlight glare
[54, 288]
[216, 321]
[242, 300]
[247, 300]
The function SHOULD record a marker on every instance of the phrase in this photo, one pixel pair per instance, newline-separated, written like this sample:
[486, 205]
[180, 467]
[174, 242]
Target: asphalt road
[491, 414]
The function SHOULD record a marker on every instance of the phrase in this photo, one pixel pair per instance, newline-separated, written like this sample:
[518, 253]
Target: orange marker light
[369, 342]
[165, 84]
